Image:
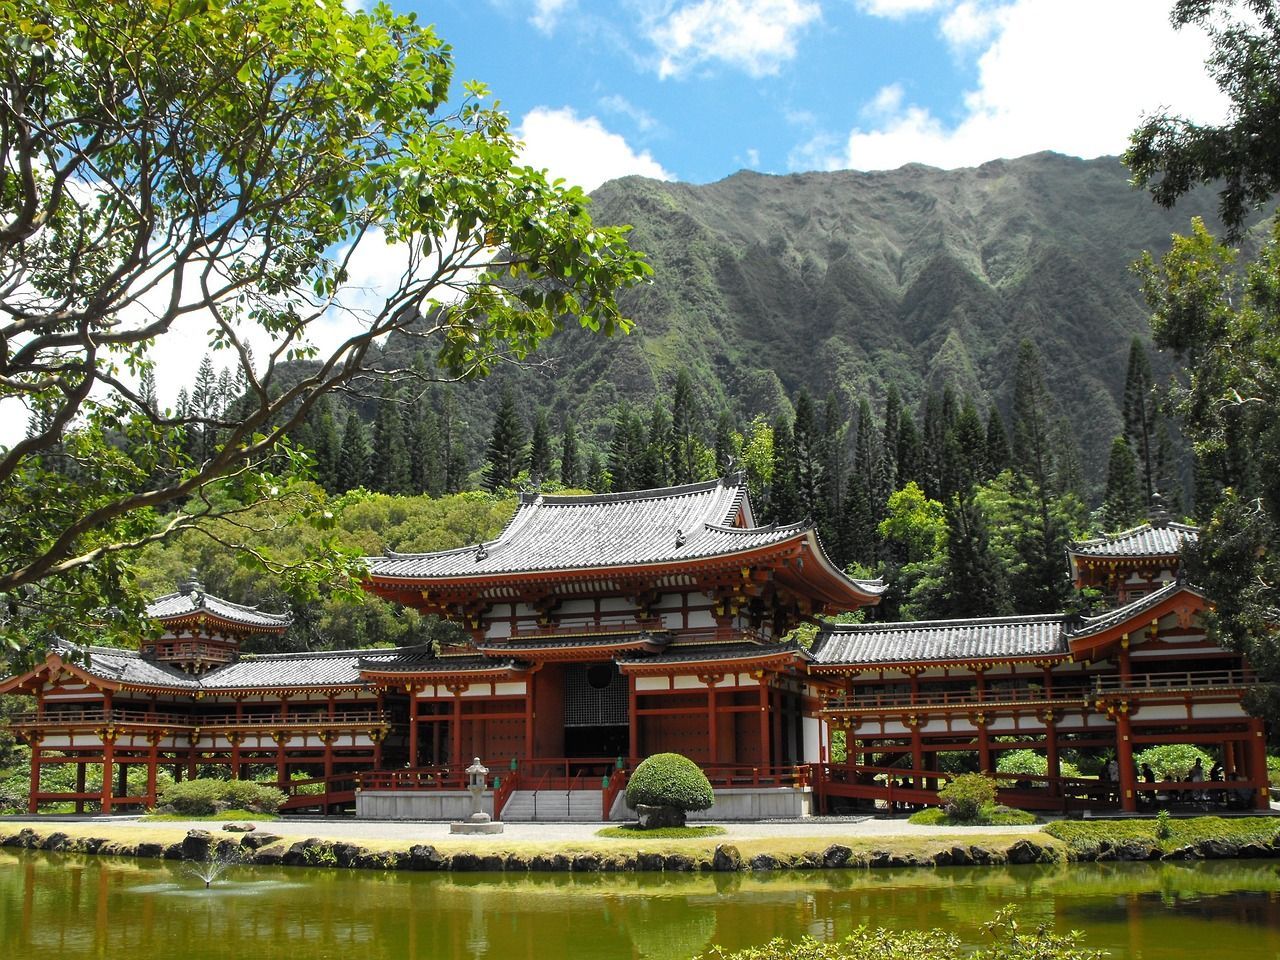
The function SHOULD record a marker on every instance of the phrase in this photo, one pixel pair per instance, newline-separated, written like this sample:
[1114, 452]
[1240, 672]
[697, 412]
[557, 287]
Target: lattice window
[595, 695]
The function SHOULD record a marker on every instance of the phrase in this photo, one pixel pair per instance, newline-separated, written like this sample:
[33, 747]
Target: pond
[69, 907]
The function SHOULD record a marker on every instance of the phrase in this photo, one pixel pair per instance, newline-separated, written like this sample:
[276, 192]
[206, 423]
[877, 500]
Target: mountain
[848, 281]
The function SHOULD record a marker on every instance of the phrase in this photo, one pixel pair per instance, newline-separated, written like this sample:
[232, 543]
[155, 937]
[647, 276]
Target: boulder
[550, 863]
[1026, 851]
[426, 857]
[1214, 849]
[880, 858]
[197, 845]
[1182, 853]
[649, 862]
[586, 863]
[678, 863]
[1254, 851]
[258, 840]
[55, 841]
[270, 856]
[1136, 850]
[173, 851]
[346, 854]
[466, 862]
[765, 861]
[149, 849]
[960, 857]
[835, 856]
[726, 858]
[234, 826]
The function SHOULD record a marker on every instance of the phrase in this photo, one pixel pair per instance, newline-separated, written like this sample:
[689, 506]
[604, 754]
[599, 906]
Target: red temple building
[603, 629]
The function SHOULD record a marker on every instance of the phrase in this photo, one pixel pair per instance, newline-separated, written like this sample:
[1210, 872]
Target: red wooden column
[32, 803]
[1258, 764]
[413, 726]
[1126, 665]
[153, 762]
[80, 771]
[1124, 758]
[917, 752]
[235, 738]
[108, 770]
[456, 732]
[766, 753]
[713, 745]
[633, 720]
[1051, 750]
[984, 744]
[282, 768]
[377, 740]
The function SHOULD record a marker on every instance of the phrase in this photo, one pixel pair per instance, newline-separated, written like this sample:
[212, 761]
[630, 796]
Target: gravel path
[829, 829]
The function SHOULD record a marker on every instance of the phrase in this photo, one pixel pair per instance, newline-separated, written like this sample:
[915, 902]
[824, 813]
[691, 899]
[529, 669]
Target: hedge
[200, 798]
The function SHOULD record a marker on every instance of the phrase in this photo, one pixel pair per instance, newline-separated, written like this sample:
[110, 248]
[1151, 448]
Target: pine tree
[598, 478]
[973, 577]
[426, 447]
[807, 458]
[685, 442]
[326, 444]
[540, 449]
[147, 390]
[1122, 505]
[651, 470]
[889, 441]
[389, 467]
[784, 494]
[353, 463]
[570, 471]
[857, 540]
[1032, 447]
[1141, 415]
[453, 449]
[626, 451]
[996, 449]
[832, 479]
[966, 460]
[909, 454]
[506, 454]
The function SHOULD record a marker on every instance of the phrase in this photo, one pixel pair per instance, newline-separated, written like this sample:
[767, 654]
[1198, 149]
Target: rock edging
[261, 848]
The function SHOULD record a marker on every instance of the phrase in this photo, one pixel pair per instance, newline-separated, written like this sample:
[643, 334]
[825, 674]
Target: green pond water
[56, 906]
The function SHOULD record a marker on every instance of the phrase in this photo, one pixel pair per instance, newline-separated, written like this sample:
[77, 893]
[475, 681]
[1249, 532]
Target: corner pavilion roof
[1147, 540]
[190, 602]
[697, 521]
[924, 641]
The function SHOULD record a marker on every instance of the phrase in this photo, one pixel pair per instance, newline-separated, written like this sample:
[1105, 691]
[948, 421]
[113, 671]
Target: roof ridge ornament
[192, 587]
[680, 537]
[481, 553]
[1158, 515]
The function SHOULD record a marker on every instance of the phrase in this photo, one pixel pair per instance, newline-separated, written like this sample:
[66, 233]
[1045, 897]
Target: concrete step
[581, 806]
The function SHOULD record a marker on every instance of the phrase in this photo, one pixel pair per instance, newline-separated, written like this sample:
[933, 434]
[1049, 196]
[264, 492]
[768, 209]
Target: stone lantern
[479, 821]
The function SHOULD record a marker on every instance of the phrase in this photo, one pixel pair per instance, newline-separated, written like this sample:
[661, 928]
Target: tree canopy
[215, 171]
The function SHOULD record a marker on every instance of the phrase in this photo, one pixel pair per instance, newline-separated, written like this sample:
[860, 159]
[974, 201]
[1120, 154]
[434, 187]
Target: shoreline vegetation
[1200, 838]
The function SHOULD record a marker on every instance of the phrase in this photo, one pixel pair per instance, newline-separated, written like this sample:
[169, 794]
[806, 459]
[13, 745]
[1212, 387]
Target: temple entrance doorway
[595, 711]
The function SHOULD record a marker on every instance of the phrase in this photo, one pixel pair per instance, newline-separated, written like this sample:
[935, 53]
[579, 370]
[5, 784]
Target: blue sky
[696, 89]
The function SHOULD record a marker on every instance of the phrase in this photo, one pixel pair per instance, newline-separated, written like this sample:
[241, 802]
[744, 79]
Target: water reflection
[67, 906]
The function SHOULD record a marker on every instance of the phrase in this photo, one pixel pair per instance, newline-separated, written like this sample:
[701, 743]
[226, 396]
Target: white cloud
[580, 149]
[894, 9]
[546, 13]
[1073, 77]
[643, 119]
[757, 36]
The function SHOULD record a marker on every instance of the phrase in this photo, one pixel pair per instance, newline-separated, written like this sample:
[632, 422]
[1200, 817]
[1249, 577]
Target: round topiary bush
[668, 780]
[967, 794]
[1029, 763]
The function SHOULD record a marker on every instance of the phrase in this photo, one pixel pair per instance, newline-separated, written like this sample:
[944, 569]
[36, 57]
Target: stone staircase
[577, 806]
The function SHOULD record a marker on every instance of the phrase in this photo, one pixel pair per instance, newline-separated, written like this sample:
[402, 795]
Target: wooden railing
[617, 783]
[757, 775]
[421, 778]
[1033, 694]
[127, 717]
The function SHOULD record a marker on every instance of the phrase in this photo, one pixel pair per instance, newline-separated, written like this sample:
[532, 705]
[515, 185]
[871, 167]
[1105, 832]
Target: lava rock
[960, 857]
[1214, 849]
[835, 856]
[726, 858]
[586, 863]
[270, 856]
[346, 854]
[550, 863]
[426, 857]
[55, 841]
[173, 851]
[765, 861]
[1255, 851]
[1026, 851]
[256, 841]
[880, 858]
[678, 863]
[1182, 853]
[466, 862]
[649, 861]
[232, 826]
[197, 844]
[149, 849]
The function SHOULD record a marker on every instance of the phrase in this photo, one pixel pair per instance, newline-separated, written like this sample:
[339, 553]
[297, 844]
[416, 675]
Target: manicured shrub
[669, 780]
[1029, 763]
[967, 794]
[1273, 772]
[201, 798]
[1173, 761]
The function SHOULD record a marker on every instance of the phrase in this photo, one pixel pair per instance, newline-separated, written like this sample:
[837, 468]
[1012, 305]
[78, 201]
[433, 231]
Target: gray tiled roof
[419, 660]
[1164, 540]
[711, 652]
[942, 640]
[125, 666]
[1091, 625]
[189, 601]
[604, 531]
[550, 642]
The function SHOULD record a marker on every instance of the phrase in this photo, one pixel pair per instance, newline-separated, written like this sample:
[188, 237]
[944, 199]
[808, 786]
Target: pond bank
[281, 843]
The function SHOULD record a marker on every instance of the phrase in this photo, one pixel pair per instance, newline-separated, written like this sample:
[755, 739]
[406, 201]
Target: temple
[603, 629]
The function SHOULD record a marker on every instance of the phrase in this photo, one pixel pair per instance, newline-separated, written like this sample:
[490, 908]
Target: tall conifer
[506, 454]
[570, 469]
[353, 463]
[540, 449]
[1123, 504]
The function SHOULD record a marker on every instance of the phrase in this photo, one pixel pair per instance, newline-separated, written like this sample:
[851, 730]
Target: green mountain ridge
[848, 281]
